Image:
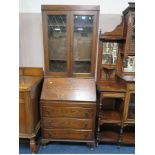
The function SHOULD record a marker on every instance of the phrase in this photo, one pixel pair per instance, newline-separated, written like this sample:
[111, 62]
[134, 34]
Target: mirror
[129, 64]
[110, 53]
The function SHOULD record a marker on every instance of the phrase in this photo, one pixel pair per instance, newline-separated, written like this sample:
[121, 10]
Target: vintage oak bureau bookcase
[68, 99]
[115, 82]
[30, 83]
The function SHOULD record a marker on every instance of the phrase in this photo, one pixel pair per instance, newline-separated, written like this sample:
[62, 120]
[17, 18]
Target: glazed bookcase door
[70, 39]
[83, 43]
[56, 42]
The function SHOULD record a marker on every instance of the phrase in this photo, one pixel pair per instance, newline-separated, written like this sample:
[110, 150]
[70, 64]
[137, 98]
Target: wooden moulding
[70, 7]
[115, 35]
[130, 7]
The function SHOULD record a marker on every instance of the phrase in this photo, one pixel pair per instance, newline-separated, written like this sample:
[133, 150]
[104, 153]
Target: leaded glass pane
[57, 43]
[82, 46]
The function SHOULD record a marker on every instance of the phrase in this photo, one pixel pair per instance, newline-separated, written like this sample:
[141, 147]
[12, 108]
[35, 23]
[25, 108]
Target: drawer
[67, 134]
[67, 123]
[74, 112]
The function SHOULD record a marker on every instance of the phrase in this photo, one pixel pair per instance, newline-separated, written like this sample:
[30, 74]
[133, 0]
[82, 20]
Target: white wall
[31, 40]
[106, 6]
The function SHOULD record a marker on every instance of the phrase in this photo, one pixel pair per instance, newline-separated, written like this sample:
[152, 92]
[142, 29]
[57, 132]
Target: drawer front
[75, 112]
[67, 134]
[67, 123]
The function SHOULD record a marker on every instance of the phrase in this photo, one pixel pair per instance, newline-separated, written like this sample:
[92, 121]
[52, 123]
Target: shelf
[58, 59]
[128, 138]
[83, 60]
[128, 135]
[108, 136]
[111, 87]
[126, 78]
[130, 121]
[109, 117]
[78, 60]
[109, 67]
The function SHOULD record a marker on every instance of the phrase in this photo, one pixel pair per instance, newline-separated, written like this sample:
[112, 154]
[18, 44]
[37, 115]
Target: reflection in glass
[129, 64]
[132, 38]
[82, 47]
[131, 110]
[57, 43]
[110, 53]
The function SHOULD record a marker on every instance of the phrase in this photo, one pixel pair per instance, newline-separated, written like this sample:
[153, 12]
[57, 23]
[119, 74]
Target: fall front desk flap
[69, 89]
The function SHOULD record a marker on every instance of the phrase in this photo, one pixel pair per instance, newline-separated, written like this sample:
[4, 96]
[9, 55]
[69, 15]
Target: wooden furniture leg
[91, 145]
[33, 145]
[44, 142]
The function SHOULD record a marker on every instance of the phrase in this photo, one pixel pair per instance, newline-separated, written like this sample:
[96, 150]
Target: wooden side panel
[22, 114]
[35, 97]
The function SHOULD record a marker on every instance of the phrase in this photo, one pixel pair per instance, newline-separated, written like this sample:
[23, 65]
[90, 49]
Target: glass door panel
[82, 43]
[131, 107]
[57, 41]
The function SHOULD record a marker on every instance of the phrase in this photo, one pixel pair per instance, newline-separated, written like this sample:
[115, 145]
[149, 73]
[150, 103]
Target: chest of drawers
[68, 110]
[30, 83]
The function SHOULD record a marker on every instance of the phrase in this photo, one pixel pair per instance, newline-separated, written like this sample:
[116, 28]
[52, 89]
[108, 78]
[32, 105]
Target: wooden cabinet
[68, 110]
[115, 82]
[128, 75]
[70, 37]
[30, 83]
